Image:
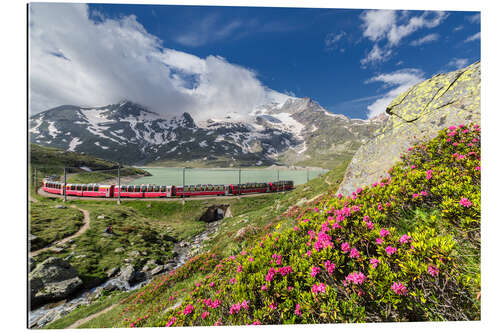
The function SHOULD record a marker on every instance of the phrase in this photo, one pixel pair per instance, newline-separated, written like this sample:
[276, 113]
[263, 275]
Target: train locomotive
[162, 191]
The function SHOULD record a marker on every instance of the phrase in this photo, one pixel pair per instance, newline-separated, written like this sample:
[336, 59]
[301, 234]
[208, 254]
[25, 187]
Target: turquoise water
[173, 176]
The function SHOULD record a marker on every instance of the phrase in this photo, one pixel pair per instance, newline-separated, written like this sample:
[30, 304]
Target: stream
[44, 315]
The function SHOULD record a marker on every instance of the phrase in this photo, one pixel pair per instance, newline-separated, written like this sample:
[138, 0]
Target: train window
[96, 188]
[163, 188]
[150, 188]
[73, 187]
[130, 189]
[143, 188]
[137, 188]
[78, 187]
[157, 188]
[84, 188]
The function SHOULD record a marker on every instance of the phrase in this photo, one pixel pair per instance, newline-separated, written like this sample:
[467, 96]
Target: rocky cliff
[416, 115]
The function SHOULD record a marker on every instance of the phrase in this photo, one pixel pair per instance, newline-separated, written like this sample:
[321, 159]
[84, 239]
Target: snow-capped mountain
[294, 131]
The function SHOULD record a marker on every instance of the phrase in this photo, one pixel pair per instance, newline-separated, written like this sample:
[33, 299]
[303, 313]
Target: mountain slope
[405, 249]
[298, 131]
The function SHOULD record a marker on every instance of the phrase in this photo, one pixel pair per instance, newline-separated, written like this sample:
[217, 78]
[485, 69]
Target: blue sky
[349, 61]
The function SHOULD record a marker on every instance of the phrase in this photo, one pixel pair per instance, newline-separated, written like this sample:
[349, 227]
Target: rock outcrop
[52, 280]
[416, 115]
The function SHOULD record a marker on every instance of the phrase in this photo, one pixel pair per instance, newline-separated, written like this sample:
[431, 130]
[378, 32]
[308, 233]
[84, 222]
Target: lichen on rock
[415, 115]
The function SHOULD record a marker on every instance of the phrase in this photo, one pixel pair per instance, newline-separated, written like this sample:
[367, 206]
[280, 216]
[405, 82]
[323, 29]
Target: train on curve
[162, 191]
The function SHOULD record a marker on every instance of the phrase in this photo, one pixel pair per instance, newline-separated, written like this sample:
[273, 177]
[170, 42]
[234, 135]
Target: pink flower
[359, 190]
[212, 284]
[330, 267]
[188, 309]
[318, 288]
[251, 259]
[379, 241]
[465, 131]
[429, 174]
[452, 128]
[424, 193]
[380, 207]
[356, 278]
[297, 310]
[285, 270]
[272, 306]
[374, 262]
[354, 253]
[170, 322]
[369, 225]
[465, 202]
[308, 253]
[345, 247]
[434, 271]
[257, 322]
[264, 287]
[478, 168]
[204, 314]
[384, 232]
[390, 250]
[270, 274]
[235, 308]
[415, 195]
[399, 288]
[404, 239]
[218, 322]
[314, 271]
[455, 144]
[413, 166]
[232, 281]
[239, 269]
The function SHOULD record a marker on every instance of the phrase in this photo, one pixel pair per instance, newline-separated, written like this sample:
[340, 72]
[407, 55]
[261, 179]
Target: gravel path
[82, 321]
[86, 225]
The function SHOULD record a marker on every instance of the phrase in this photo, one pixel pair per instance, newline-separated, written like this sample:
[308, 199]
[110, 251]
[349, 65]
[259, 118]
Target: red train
[158, 191]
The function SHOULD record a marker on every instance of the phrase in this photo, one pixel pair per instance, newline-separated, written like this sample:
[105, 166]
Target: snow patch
[74, 142]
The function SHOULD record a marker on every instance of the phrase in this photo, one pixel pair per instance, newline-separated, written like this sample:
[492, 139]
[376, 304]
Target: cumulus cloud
[424, 40]
[387, 28]
[474, 37]
[395, 83]
[76, 60]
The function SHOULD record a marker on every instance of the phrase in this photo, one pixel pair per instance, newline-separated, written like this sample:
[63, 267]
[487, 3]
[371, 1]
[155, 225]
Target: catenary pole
[239, 181]
[119, 187]
[64, 188]
[183, 183]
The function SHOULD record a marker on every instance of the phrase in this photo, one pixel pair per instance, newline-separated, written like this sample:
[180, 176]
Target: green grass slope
[51, 161]
[406, 248]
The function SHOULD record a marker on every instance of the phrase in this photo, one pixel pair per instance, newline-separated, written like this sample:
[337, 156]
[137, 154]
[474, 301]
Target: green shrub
[392, 251]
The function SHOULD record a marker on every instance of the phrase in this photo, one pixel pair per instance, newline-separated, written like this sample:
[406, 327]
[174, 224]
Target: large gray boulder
[52, 280]
[416, 115]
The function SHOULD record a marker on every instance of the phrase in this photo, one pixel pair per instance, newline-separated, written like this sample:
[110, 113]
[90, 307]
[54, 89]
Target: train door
[226, 189]
[169, 191]
[108, 192]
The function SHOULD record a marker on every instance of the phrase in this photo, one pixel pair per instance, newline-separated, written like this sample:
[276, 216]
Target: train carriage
[162, 191]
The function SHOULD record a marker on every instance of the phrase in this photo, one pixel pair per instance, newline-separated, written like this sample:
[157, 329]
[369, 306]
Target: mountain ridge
[294, 132]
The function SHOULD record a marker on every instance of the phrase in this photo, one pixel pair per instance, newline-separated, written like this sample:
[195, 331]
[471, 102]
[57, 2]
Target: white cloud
[473, 37]
[74, 60]
[476, 18]
[460, 27]
[376, 23]
[458, 63]
[376, 54]
[397, 82]
[209, 29]
[392, 27]
[332, 39]
[426, 39]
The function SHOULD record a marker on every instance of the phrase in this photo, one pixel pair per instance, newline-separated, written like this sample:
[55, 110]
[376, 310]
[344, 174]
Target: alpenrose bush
[345, 261]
